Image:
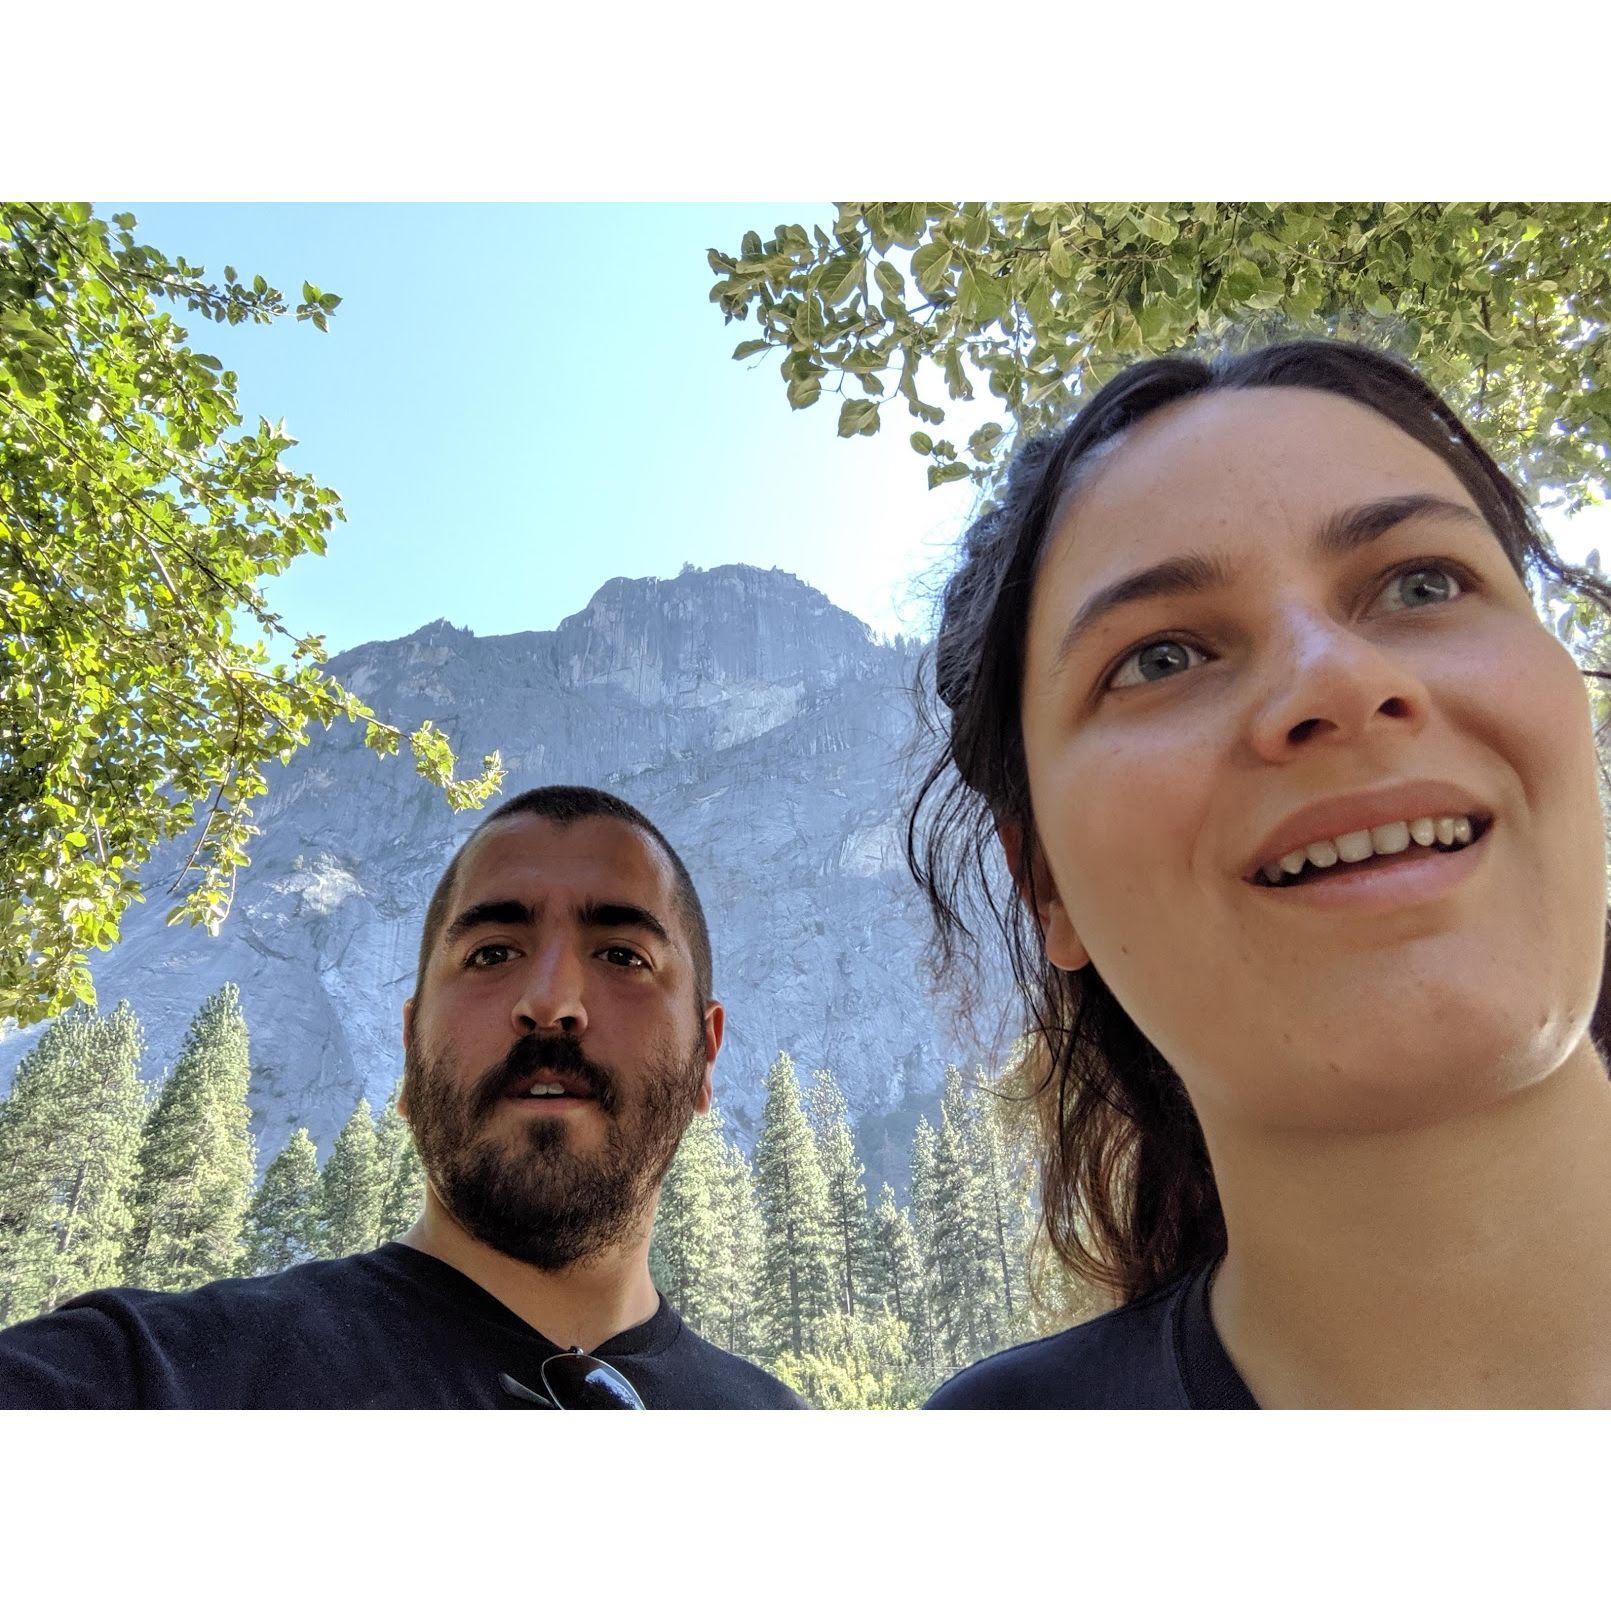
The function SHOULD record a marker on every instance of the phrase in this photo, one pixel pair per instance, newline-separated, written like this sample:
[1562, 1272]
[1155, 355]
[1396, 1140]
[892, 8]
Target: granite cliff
[762, 728]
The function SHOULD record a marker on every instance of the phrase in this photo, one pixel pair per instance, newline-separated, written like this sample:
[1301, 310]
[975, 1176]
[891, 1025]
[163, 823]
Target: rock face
[760, 727]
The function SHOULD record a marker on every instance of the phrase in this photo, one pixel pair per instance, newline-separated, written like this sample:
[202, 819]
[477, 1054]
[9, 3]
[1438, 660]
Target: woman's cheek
[1137, 805]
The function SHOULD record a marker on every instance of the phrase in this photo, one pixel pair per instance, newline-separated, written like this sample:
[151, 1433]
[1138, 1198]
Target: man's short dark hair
[566, 804]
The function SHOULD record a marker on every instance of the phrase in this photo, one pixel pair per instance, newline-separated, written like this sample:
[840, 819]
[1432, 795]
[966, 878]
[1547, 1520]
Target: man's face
[558, 1049]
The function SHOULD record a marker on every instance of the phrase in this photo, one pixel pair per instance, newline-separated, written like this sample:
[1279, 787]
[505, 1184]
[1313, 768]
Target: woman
[1298, 799]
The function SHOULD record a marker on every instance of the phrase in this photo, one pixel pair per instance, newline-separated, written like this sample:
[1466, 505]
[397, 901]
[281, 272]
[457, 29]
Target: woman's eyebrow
[1186, 574]
[1349, 529]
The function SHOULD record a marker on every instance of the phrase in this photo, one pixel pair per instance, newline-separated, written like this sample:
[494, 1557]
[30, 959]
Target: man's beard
[530, 1196]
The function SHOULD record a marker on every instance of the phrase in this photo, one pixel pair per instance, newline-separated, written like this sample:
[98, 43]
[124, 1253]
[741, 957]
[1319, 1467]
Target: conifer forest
[108, 1178]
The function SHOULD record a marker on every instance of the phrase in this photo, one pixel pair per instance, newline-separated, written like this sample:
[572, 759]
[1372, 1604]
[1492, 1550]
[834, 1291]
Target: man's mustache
[544, 1054]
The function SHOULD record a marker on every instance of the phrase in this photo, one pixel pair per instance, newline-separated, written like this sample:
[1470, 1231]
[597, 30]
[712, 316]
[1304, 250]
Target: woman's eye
[623, 956]
[1425, 584]
[1152, 662]
[488, 956]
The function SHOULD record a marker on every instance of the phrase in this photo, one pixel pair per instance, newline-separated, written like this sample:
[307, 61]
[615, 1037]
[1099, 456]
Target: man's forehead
[578, 857]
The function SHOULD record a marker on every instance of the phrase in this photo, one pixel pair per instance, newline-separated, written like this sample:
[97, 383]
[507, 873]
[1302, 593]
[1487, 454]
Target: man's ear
[1032, 878]
[715, 1025]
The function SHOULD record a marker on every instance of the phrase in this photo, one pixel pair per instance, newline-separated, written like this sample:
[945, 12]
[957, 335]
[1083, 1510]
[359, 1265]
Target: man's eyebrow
[1184, 574]
[621, 915]
[506, 913]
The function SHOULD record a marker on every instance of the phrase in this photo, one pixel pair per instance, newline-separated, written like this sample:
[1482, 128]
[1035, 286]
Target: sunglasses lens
[579, 1382]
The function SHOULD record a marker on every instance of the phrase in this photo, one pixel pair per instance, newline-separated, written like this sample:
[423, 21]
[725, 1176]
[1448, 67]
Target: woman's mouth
[1329, 860]
[1396, 875]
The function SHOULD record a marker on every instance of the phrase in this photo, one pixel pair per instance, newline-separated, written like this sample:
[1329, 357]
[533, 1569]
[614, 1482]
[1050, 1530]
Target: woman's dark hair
[1127, 1192]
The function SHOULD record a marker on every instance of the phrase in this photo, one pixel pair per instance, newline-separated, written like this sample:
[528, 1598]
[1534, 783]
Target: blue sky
[519, 402]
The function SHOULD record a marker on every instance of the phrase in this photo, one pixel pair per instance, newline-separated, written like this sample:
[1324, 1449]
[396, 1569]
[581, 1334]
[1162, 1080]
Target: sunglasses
[576, 1381]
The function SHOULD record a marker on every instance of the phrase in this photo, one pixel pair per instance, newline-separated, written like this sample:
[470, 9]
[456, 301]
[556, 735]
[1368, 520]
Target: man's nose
[550, 996]
[1326, 682]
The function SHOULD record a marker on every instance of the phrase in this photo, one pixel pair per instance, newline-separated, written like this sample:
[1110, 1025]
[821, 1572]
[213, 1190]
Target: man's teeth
[1386, 840]
[540, 1089]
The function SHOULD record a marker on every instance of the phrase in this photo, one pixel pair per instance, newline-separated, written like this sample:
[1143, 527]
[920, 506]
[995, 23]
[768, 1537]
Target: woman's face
[1270, 620]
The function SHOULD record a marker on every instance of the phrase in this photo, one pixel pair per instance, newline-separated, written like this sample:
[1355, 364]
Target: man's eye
[489, 956]
[623, 956]
[1419, 584]
[1152, 662]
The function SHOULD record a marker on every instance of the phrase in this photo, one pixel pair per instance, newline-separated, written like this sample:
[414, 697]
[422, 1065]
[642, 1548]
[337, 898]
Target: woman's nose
[1327, 683]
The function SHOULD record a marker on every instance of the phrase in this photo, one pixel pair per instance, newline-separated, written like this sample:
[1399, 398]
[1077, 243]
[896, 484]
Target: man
[560, 1037]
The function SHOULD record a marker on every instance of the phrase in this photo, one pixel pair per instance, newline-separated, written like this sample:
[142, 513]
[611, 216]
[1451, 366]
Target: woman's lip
[1383, 883]
[1372, 808]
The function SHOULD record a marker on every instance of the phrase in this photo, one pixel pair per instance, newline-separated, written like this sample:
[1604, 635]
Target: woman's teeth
[1386, 840]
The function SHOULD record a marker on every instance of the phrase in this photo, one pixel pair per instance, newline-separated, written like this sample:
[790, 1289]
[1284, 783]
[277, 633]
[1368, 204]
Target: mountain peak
[661, 638]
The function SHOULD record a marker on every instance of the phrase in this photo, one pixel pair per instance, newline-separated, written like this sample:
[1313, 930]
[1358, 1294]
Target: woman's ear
[1033, 880]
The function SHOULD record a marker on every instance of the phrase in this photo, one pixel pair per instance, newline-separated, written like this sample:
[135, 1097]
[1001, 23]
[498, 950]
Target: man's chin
[550, 1201]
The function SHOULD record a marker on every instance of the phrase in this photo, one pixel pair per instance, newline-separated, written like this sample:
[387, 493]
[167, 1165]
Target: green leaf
[939, 474]
[1242, 280]
[804, 391]
[931, 264]
[1154, 223]
[983, 441]
[858, 416]
[842, 278]
[922, 442]
[748, 349]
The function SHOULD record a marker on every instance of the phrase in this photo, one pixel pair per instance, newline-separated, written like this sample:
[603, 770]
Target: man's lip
[1369, 808]
[576, 1088]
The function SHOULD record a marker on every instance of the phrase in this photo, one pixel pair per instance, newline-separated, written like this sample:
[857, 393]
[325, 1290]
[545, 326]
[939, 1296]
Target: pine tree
[1004, 1176]
[69, 1144]
[351, 1191]
[851, 1253]
[282, 1224]
[921, 1198]
[797, 1276]
[196, 1157]
[961, 1293]
[922, 1190]
[402, 1174]
[737, 1322]
[899, 1263]
[682, 1251]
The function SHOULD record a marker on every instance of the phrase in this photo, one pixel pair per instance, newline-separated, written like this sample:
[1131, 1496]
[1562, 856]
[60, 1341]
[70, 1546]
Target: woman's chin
[1381, 1075]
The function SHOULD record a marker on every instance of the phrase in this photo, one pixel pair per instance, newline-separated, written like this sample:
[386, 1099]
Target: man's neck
[1464, 1264]
[581, 1306]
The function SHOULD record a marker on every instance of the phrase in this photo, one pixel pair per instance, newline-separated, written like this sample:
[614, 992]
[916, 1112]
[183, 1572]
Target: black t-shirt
[394, 1329]
[1159, 1353]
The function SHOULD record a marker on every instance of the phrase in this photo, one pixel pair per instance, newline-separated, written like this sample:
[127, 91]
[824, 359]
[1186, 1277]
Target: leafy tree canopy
[1504, 308]
[138, 522]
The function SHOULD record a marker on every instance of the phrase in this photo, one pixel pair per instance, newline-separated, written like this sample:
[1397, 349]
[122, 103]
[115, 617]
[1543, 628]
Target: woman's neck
[1467, 1263]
